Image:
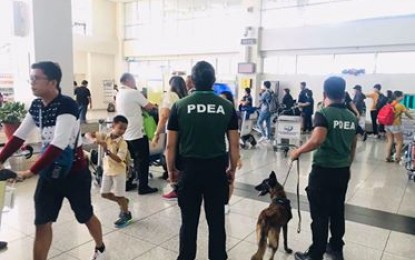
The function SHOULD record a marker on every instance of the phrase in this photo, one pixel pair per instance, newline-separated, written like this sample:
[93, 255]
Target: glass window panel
[6, 21]
[82, 16]
[130, 13]
[287, 65]
[271, 65]
[180, 65]
[364, 61]
[224, 65]
[143, 8]
[315, 64]
[132, 32]
[396, 62]
[286, 13]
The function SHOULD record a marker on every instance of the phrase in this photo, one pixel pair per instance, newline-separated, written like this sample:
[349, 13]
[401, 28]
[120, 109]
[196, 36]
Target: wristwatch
[107, 152]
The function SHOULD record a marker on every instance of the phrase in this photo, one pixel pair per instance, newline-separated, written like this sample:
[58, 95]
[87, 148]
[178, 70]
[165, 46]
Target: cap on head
[358, 87]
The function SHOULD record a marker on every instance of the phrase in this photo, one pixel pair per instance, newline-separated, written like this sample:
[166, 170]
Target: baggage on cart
[287, 133]
[409, 147]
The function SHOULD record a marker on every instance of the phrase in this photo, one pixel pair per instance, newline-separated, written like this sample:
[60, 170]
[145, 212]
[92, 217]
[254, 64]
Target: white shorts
[394, 129]
[116, 184]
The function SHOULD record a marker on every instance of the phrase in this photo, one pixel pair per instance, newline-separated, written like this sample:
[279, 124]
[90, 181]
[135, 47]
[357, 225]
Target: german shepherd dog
[273, 218]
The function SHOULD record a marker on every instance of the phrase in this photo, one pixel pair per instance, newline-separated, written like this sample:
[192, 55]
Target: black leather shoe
[335, 254]
[130, 186]
[3, 245]
[304, 256]
[147, 190]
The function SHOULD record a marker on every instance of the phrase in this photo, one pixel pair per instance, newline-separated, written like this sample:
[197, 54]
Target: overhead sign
[248, 41]
[246, 68]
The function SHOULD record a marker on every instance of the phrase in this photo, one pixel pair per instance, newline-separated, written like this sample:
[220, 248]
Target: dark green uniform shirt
[202, 121]
[341, 124]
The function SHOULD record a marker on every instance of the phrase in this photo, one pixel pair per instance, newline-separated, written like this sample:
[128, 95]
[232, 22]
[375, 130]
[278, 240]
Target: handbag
[150, 125]
[60, 168]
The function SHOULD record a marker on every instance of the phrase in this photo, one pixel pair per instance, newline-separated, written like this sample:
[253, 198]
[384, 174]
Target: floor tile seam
[403, 197]
[154, 213]
[23, 237]
[62, 253]
[361, 182]
[239, 242]
[80, 245]
[140, 255]
[386, 244]
[147, 241]
[396, 254]
[73, 248]
[367, 246]
[250, 171]
[165, 247]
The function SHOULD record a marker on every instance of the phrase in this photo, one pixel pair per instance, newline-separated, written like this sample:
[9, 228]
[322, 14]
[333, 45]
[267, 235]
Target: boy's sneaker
[98, 255]
[172, 195]
[121, 212]
[124, 220]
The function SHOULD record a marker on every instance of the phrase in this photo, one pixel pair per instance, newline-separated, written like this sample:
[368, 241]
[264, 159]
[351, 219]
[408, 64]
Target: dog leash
[298, 190]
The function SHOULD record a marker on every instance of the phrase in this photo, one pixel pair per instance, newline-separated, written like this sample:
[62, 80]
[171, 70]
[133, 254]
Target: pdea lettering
[202, 108]
[346, 125]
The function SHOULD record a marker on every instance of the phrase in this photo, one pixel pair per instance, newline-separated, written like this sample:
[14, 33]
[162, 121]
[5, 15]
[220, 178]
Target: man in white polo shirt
[129, 103]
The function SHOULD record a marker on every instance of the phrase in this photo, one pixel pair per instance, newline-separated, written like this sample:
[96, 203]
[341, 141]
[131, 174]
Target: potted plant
[11, 115]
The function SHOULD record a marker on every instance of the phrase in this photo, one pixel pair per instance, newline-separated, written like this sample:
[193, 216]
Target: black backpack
[382, 101]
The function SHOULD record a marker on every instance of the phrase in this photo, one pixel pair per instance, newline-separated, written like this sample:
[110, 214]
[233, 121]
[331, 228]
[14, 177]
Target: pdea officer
[198, 124]
[334, 138]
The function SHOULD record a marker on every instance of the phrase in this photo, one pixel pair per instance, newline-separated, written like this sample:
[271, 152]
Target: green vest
[203, 119]
[335, 152]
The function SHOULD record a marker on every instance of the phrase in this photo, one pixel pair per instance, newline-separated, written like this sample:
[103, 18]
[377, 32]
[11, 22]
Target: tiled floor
[154, 232]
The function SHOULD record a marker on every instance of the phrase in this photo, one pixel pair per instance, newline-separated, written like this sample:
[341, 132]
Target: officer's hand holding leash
[294, 155]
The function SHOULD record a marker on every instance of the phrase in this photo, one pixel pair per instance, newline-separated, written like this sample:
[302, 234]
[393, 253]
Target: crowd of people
[202, 152]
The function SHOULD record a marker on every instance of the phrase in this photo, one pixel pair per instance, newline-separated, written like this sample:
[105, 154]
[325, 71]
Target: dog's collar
[282, 201]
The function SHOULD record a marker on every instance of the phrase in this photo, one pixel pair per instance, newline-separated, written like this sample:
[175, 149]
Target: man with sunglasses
[57, 117]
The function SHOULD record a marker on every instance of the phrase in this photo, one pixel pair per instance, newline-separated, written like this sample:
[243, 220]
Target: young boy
[114, 165]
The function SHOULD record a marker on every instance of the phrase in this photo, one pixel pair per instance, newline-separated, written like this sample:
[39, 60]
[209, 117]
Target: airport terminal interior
[248, 42]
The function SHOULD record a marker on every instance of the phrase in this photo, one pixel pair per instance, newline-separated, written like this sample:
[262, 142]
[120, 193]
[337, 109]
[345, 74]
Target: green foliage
[12, 112]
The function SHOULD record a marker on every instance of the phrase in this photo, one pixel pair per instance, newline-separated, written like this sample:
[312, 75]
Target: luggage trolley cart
[287, 133]
[409, 147]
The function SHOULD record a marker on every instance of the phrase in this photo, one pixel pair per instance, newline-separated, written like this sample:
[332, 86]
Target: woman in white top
[177, 91]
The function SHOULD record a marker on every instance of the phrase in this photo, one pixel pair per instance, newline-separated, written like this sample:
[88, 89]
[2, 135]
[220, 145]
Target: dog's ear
[273, 176]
